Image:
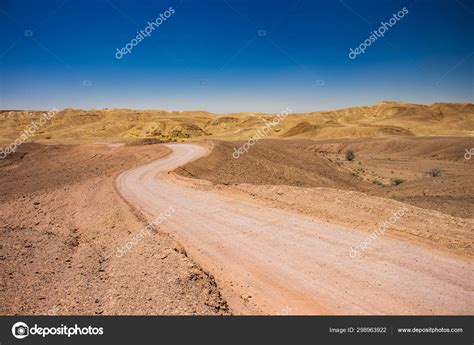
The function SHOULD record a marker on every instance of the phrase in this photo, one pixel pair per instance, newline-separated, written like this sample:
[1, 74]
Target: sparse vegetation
[397, 181]
[435, 172]
[350, 155]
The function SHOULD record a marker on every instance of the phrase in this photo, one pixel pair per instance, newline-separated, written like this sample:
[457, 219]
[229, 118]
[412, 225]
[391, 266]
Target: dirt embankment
[61, 223]
[396, 168]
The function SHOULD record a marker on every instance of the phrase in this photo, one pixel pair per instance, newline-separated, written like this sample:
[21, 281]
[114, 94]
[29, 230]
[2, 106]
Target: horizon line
[241, 112]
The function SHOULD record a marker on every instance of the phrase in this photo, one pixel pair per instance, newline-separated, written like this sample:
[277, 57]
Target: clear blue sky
[209, 54]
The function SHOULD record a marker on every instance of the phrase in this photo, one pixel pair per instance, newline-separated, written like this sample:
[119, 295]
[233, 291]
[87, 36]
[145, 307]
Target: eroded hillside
[385, 119]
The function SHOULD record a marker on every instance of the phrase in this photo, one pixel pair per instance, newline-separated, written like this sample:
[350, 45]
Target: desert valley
[323, 182]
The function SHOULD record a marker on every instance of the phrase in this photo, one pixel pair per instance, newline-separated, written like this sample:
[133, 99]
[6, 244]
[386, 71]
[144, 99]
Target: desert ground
[61, 225]
[268, 233]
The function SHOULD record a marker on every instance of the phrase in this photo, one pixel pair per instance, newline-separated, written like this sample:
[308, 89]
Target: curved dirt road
[269, 261]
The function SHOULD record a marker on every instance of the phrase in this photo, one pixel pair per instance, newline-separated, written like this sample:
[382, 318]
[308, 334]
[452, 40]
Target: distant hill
[384, 119]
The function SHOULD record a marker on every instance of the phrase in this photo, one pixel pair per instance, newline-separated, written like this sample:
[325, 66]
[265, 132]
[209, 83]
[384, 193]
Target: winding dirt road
[270, 261]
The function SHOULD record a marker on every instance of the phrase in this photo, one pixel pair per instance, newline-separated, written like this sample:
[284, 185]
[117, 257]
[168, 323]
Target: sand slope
[385, 119]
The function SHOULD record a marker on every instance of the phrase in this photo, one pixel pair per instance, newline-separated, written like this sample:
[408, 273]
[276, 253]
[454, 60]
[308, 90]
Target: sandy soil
[432, 229]
[273, 261]
[61, 223]
[377, 163]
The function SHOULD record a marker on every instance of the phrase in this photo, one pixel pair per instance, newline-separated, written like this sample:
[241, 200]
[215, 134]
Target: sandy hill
[384, 119]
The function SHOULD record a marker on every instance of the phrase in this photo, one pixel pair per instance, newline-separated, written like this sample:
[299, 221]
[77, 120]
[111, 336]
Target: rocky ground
[62, 219]
[61, 223]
